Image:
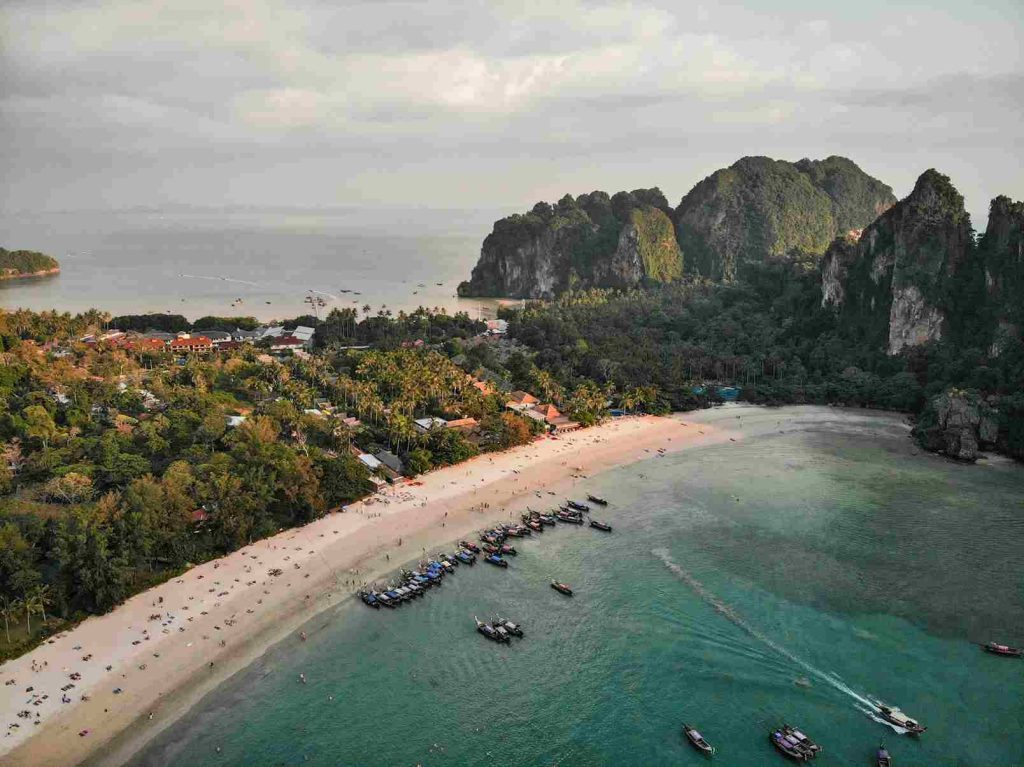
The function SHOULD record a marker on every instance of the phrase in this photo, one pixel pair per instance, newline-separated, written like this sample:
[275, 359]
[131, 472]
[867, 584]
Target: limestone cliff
[646, 250]
[896, 283]
[760, 209]
[594, 240]
[1001, 253]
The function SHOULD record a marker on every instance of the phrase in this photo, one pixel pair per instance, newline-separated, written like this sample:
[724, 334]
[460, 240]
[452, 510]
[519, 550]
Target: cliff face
[897, 283]
[647, 249]
[1002, 256]
[760, 209]
[593, 240]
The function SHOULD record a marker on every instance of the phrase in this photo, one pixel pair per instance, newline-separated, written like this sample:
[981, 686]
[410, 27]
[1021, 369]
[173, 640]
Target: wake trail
[734, 617]
[220, 279]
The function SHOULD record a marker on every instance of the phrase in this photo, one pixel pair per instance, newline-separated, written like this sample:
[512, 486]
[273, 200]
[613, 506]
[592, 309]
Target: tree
[41, 598]
[39, 424]
[70, 488]
[18, 572]
[419, 461]
[9, 608]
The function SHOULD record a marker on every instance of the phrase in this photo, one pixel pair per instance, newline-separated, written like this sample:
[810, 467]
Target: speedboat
[806, 743]
[787, 746]
[695, 738]
[882, 758]
[494, 559]
[601, 525]
[1001, 649]
[894, 716]
[512, 628]
[598, 501]
[562, 588]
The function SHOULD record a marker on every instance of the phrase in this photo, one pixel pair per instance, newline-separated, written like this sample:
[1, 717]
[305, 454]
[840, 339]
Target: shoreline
[30, 275]
[164, 664]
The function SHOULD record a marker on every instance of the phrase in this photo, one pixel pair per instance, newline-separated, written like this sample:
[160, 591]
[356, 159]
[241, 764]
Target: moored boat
[577, 506]
[600, 525]
[572, 519]
[597, 500]
[369, 599]
[1001, 649]
[508, 549]
[787, 746]
[562, 588]
[882, 758]
[512, 628]
[696, 739]
[496, 560]
[806, 743]
[470, 546]
[894, 716]
[466, 557]
[489, 631]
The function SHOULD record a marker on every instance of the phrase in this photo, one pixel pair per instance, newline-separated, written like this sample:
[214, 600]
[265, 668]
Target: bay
[794, 576]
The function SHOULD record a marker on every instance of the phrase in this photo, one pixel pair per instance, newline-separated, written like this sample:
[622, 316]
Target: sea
[261, 263]
[799, 575]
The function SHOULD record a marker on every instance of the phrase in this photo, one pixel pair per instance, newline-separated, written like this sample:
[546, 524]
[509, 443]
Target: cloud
[180, 99]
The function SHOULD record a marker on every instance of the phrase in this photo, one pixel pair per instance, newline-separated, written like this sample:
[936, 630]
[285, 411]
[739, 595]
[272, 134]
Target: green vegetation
[760, 209]
[659, 251]
[23, 263]
[121, 468]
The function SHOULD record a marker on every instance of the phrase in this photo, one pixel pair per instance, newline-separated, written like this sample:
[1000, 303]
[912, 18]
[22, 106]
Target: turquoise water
[786, 578]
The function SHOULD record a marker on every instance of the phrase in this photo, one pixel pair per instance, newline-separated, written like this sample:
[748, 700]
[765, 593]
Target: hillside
[26, 263]
[760, 209]
[755, 211]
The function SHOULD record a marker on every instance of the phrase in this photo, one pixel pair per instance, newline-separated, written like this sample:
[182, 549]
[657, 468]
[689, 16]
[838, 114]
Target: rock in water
[957, 423]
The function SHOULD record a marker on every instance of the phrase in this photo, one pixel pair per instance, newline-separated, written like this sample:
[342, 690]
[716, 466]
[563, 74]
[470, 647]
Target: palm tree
[30, 607]
[43, 598]
[8, 609]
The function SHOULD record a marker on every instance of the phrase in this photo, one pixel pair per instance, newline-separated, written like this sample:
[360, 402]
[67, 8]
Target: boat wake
[862, 702]
[219, 279]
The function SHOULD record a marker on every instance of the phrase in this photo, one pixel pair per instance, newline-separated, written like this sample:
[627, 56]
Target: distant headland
[24, 264]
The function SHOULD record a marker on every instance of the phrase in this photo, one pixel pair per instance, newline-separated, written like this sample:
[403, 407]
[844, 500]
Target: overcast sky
[258, 102]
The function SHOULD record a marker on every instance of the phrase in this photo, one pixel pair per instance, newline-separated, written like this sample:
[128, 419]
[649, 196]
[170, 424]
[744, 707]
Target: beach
[137, 669]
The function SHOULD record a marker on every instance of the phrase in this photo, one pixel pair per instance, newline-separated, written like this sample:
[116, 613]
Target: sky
[109, 105]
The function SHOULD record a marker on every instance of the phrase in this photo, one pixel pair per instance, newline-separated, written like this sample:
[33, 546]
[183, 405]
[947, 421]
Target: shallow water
[790, 577]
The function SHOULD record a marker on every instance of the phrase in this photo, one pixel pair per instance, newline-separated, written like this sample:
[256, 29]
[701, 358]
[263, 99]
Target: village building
[521, 400]
[423, 425]
[463, 424]
[390, 461]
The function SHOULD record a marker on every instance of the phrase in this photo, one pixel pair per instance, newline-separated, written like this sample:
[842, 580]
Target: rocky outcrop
[958, 424]
[646, 250]
[762, 209]
[895, 284]
[594, 240]
[1001, 253]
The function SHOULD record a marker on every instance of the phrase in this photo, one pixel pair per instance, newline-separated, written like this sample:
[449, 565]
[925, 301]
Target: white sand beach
[135, 670]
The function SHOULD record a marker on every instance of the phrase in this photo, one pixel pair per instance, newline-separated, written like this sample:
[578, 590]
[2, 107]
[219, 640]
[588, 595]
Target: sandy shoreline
[229, 611]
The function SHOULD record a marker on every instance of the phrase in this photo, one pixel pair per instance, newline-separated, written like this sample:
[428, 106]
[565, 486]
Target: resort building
[521, 400]
[191, 344]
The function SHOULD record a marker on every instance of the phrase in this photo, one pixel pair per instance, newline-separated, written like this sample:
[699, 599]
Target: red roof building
[191, 344]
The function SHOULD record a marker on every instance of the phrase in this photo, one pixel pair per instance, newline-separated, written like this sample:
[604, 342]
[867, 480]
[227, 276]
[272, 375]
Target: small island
[22, 264]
